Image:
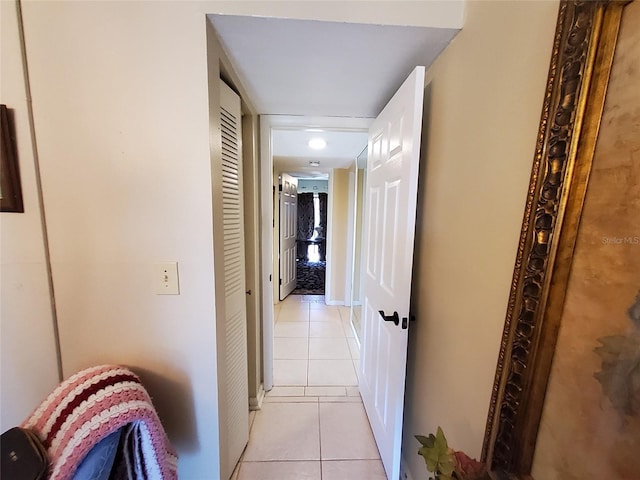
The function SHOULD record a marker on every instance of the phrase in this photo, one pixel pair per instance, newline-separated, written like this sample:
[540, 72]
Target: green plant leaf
[447, 463]
[432, 458]
[441, 441]
[437, 455]
[426, 441]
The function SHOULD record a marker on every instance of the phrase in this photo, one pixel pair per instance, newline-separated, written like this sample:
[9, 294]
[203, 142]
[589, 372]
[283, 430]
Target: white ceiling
[291, 152]
[323, 69]
[308, 67]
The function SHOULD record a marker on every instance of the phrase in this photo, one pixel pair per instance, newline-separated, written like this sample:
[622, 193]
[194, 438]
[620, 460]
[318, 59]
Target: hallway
[312, 425]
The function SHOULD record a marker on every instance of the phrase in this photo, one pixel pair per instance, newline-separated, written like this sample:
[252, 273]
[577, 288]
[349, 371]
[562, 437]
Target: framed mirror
[566, 397]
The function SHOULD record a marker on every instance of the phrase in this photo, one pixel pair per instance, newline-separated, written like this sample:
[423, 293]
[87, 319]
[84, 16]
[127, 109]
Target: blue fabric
[99, 461]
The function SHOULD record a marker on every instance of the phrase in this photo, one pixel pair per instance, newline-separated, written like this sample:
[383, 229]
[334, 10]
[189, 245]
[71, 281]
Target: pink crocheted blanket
[90, 405]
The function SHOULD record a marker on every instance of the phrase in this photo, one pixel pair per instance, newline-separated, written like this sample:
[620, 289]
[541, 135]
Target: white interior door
[391, 189]
[288, 234]
[231, 313]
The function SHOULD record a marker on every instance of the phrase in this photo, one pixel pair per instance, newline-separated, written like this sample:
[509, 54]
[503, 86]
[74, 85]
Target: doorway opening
[315, 349]
[311, 240]
[393, 145]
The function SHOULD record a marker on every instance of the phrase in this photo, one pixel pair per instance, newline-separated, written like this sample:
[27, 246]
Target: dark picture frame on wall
[10, 188]
[558, 218]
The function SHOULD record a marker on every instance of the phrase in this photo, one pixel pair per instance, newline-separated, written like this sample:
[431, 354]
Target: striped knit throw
[90, 405]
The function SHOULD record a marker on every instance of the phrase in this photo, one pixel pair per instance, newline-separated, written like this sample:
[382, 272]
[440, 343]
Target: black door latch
[395, 318]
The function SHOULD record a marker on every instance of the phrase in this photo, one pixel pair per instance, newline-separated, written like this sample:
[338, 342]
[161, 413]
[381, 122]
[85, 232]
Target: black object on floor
[310, 278]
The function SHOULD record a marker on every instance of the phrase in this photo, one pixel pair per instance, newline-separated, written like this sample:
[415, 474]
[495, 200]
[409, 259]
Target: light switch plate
[166, 278]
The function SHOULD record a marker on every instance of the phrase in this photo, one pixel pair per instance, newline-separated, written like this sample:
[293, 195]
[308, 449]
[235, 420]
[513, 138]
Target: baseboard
[334, 302]
[255, 403]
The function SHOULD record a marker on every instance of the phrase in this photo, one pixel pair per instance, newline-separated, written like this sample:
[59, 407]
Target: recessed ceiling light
[317, 143]
[314, 163]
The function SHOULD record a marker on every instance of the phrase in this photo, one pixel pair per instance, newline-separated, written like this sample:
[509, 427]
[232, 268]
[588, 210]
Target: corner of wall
[29, 347]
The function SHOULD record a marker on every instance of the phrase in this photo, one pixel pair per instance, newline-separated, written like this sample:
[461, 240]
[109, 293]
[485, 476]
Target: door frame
[267, 124]
[328, 251]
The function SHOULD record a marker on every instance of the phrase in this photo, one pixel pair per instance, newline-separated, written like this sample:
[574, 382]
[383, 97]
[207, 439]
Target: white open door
[391, 190]
[288, 234]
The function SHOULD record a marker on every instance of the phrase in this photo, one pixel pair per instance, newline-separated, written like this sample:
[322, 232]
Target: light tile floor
[314, 344]
[312, 425]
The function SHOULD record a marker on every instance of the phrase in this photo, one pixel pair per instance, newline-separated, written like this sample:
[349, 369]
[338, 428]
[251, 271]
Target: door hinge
[280, 281]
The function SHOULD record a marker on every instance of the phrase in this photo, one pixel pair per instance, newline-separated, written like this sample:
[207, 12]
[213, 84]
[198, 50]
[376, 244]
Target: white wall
[337, 246]
[122, 124]
[486, 95]
[28, 354]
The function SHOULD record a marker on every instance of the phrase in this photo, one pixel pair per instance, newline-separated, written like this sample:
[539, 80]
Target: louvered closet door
[232, 327]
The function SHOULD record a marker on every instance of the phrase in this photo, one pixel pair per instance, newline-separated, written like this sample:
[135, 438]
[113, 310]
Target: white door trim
[267, 124]
[328, 298]
[266, 240]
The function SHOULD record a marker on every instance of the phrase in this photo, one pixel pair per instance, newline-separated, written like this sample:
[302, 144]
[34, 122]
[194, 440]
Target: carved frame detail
[583, 48]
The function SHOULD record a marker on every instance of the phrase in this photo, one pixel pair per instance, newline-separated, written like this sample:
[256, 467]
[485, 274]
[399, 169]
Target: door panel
[373, 231]
[288, 234]
[392, 176]
[390, 240]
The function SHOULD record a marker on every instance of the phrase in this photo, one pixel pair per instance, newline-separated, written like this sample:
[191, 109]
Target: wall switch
[166, 278]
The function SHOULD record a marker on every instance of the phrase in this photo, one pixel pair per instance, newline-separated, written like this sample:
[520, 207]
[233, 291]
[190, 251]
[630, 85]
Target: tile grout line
[318, 397]
[308, 346]
[320, 437]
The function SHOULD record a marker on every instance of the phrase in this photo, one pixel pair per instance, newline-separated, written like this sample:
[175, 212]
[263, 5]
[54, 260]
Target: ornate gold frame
[583, 49]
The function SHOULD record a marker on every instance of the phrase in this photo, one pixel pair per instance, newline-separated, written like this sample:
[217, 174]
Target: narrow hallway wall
[337, 235]
[485, 96]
